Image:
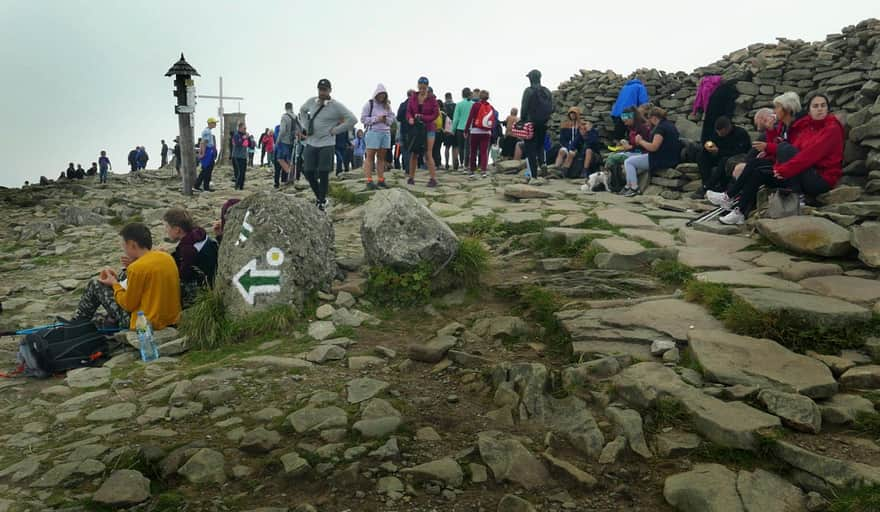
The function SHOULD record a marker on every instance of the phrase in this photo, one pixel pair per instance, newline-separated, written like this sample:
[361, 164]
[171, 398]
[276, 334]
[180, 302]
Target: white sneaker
[718, 199]
[735, 218]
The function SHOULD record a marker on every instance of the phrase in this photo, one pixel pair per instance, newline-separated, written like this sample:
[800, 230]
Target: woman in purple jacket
[377, 117]
[423, 108]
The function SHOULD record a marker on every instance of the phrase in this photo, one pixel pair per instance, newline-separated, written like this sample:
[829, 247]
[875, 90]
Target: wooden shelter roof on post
[182, 67]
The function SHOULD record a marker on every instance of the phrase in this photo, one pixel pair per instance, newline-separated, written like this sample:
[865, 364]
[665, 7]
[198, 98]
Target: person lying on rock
[148, 283]
[809, 161]
[195, 254]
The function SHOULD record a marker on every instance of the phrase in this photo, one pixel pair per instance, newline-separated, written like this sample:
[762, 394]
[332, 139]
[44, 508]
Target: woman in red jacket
[808, 163]
[423, 107]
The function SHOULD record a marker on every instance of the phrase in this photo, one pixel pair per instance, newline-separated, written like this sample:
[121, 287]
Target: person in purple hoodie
[377, 117]
[421, 112]
[195, 254]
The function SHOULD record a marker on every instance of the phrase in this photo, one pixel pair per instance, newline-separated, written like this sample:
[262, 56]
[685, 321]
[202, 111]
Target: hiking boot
[371, 185]
[382, 184]
[734, 218]
[410, 181]
[432, 183]
[719, 199]
[699, 194]
[632, 192]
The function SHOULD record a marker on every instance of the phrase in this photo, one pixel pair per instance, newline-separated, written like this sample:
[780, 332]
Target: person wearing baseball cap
[207, 156]
[322, 118]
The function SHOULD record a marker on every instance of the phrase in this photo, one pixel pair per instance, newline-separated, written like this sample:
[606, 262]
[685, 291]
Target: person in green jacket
[459, 122]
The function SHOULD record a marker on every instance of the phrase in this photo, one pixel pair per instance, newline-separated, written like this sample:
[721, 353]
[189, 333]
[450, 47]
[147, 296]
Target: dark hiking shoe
[382, 184]
[371, 185]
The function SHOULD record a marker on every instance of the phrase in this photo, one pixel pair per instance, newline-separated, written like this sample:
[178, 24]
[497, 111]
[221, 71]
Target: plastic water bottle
[149, 349]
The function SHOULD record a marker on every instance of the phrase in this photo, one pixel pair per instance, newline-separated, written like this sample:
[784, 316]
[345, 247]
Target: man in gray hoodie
[322, 118]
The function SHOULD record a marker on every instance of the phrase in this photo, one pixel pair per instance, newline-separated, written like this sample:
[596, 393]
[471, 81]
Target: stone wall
[845, 66]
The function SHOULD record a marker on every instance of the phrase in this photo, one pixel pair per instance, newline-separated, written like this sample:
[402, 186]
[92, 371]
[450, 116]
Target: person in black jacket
[537, 106]
[720, 153]
[132, 160]
[403, 131]
[721, 103]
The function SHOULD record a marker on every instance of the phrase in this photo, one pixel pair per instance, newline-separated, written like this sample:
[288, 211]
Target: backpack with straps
[541, 104]
[61, 348]
[485, 116]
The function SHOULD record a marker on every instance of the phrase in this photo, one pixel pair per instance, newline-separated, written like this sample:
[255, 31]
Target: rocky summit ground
[611, 359]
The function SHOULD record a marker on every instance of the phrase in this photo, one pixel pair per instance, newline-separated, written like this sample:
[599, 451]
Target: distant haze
[80, 76]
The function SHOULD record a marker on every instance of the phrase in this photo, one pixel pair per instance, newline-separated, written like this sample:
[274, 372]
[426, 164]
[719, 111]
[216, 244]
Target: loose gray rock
[259, 440]
[629, 422]
[443, 470]
[294, 465]
[433, 350]
[512, 503]
[88, 377]
[706, 488]
[289, 245]
[205, 466]
[510, 461]
[866, 238]
[317, 418]
[399, 232]
[125, 487]
[363, 389]
[115, 412]
[797, 411]
[807, 235]
[844, 409]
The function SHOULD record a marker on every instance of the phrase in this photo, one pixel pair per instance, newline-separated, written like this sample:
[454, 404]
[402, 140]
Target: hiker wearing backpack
[421, 113]
[537, 106]
[151, 284]
[195, 254]
[479, 126]
[207, 156]
[377, 117]
[287, 136]
[324, 117]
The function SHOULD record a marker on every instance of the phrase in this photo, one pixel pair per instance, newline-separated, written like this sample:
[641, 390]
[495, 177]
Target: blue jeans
[102, 176]
[340, 160]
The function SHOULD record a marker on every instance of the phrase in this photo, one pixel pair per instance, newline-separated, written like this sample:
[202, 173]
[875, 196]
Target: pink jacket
[429, 110]
[707, 86]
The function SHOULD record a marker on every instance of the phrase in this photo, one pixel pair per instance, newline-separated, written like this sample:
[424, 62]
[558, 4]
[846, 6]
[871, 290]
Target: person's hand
[382, 118]
[639, 140]
[712, 149]
[125, 260]
[760, 146]
[777, 175]
[108, 277]
[412, 121]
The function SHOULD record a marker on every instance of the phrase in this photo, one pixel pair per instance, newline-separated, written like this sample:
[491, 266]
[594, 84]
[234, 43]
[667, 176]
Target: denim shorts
[378, 140]
[283, 151]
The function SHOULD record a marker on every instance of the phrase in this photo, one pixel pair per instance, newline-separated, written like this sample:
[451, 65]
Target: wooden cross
[220, 110]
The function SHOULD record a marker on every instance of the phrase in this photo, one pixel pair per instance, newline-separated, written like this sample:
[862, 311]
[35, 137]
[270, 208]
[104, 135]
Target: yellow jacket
[152, 286]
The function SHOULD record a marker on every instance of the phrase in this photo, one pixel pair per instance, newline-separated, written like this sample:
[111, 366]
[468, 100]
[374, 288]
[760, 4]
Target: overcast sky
[80, 76]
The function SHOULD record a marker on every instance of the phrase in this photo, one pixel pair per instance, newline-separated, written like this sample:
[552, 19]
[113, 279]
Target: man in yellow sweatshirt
[151, 284]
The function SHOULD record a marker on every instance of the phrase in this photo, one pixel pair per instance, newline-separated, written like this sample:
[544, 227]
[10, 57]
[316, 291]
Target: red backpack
[485, 116]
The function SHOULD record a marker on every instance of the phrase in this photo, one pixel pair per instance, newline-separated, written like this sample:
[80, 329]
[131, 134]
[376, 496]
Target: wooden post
[187, 145]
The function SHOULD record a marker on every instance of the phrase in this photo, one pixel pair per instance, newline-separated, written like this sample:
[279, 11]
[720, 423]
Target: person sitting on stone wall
[661, 152]
[809, 160]
[587, 145]
[568, 139]
[149, 282]
[636, 124]
[724, 149]
[195, 254]
[764, 147]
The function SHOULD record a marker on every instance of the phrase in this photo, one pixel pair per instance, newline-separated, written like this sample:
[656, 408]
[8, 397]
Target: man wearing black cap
[537, 106]
[322, 118]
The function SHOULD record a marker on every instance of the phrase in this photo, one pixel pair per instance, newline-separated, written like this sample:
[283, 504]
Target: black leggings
[239, 166]
[534, 148]
[760, 172]
[317, 164]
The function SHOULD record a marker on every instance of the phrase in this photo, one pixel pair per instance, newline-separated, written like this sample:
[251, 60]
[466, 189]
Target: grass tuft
[389, 287]
[470, 263]
[861, 499]
[672, 272]
[342, 194]
[868, 423]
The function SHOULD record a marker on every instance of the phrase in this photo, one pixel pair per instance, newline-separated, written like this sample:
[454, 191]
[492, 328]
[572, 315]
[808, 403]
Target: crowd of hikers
[798, 151]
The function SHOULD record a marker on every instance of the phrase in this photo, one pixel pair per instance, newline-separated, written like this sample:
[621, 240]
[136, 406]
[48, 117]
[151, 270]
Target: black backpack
[541, 104]
[61, 348]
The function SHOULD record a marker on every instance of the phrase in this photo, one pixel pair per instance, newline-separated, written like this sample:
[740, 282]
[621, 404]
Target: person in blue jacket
[632, 94]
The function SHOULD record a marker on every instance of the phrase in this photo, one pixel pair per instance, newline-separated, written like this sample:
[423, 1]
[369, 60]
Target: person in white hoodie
[377, 117]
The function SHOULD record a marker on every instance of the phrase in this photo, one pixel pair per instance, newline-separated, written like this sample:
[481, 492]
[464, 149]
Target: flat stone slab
[521, 191]
[658, 238]
[622, 218]
[728, 424]
[812, 309]
[709, 257]
[743, 278]
[731, 359]
[280, 362]
[639, 352]
[852, 289]
[806, 234]
[519, 217]
[670, 317]
[837, 473]
[572, 235]
[363, 389]
[866, 238]
[725, 244]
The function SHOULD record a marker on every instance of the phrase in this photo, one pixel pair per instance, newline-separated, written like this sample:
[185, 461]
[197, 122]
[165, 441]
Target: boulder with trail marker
[277, 249]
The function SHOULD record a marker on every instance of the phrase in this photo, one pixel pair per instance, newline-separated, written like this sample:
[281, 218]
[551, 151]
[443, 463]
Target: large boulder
[866, 238]
[277, 249]
[807, 235]
[399, 232]
[76, 216]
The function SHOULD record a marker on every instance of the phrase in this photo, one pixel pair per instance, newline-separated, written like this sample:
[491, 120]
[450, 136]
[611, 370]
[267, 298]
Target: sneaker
[432, 183]
[371, 185]
[484, 175]
[734, 218]
[632, 192]
[624, 190]
[802, 200]
[382, 184]
[472, 175]
[197, 188]
[410, 181]
[718, 199]
[699, 194]
[322, 207]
